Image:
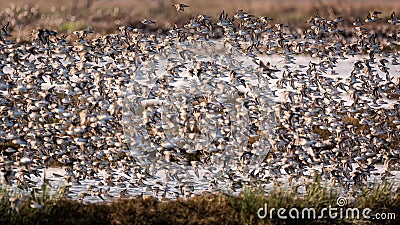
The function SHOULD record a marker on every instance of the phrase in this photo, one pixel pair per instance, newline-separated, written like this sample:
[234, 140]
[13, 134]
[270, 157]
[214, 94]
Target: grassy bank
[43, 208]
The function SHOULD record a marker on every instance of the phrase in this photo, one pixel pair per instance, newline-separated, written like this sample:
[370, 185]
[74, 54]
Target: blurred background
[105, 16]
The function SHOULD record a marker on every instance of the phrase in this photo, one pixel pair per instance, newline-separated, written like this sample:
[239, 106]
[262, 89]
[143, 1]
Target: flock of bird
[162, 113]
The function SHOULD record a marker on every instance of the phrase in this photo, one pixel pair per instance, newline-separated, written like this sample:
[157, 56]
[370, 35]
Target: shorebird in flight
[393, 19]
[180, 7]
[4, 32]
[148, 22]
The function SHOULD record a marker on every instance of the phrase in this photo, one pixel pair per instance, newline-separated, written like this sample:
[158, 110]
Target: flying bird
[393, 19]
[148, 22]
[180, 7]
[4, 32]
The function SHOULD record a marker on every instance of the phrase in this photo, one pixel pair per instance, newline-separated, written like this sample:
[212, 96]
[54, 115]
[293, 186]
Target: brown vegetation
[105, 16]
[205, 209]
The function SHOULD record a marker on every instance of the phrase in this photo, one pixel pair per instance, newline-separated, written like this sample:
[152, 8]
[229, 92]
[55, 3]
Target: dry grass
[230, 6]
[105, 16]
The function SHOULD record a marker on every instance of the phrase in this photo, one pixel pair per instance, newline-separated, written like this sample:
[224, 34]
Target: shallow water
[52, 174]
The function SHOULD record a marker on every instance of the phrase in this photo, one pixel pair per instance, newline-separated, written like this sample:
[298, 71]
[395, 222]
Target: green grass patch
[71, 26]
